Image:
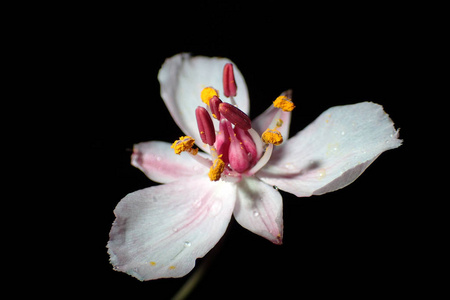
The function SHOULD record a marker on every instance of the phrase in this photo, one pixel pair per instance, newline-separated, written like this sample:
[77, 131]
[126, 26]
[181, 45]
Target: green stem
[198, 274]
[192, 282]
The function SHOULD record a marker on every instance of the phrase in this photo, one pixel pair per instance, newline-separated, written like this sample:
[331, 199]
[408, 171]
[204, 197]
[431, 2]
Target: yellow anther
[272, 136]
[284, 103]
[208, 93]
[216, 169]
[185, 143]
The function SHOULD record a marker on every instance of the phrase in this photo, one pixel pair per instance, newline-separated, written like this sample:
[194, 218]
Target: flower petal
[159, 162]
[182, 79]
[332, 151]
[161, 230]
[264, 121]
[259, 208]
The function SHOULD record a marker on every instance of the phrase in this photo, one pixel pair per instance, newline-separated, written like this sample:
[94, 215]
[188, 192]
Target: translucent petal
[270, 116]
[160, 231]
[332, 151]
[183, 77]
[160, 163]
[259, 208]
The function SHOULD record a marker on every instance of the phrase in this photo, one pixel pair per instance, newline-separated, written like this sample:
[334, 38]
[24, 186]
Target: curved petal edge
[332, 151]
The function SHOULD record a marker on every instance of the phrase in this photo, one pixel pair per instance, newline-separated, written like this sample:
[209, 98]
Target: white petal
[264, 121]
[160, 163]
[259, 208]
[332, 151]
[182, 79]
[161, 230]
[271, 116]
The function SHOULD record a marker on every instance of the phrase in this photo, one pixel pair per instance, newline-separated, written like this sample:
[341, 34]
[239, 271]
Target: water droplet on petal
[215, 208]
[255, 213]
[197, 203]
[289, 166]
[321, 173]
[187, 244]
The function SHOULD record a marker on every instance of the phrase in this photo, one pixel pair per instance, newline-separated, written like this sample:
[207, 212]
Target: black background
[357, 242]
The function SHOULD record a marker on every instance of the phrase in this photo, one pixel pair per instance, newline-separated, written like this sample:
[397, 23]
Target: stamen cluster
[232, 147]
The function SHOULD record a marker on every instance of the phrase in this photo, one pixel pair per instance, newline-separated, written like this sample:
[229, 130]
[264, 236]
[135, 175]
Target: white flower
[160, 231]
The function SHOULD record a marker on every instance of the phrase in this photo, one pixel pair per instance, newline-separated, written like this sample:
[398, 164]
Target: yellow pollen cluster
[272, 136]
[208, 93]
[284, 103]
[185, 143]
[216, 169]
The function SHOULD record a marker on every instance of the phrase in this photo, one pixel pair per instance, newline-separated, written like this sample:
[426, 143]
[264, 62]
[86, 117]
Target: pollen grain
[284, 103]
[207, 93]
[185, 143]
[216, 169]
[272, 136]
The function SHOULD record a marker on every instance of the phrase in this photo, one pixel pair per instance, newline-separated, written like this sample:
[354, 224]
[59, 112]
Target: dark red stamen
[205, 126]
[235, 115]
[248, 143]
[223, 140]
[229, 84]
[214, 103]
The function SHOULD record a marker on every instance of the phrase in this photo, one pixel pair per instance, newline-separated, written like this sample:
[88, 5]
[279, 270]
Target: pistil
[247, 142]
[237, 155]
[223, 140]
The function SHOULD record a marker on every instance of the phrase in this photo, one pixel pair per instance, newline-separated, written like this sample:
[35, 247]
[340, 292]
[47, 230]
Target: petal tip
[278, 240]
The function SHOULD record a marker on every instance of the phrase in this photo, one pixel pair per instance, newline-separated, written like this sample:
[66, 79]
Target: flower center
[236, 148]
